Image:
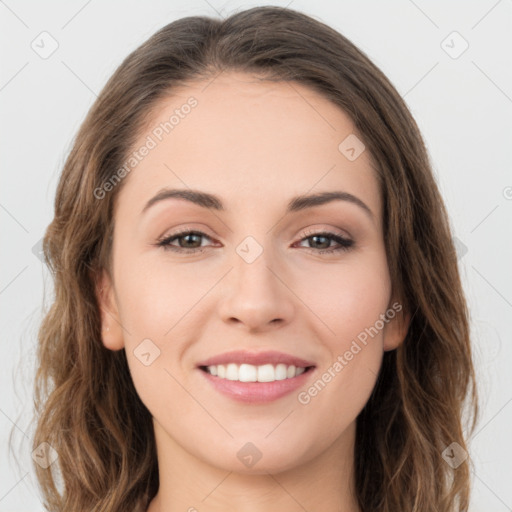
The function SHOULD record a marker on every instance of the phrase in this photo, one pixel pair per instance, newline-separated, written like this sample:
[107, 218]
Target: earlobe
[111, 330]
[396, 329]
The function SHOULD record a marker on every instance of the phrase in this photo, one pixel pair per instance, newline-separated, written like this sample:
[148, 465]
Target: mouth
[252, 373]
[256, 377]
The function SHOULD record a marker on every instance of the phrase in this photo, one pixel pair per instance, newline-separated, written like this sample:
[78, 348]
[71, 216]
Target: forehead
[245, 139]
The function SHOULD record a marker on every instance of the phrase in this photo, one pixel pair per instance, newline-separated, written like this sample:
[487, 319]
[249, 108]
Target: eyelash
[344, 243]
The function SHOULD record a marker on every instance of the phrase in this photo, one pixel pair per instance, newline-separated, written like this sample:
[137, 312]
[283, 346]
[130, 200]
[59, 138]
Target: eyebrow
[296, 204]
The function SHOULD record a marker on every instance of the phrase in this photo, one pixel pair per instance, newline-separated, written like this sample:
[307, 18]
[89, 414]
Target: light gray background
[463, 106]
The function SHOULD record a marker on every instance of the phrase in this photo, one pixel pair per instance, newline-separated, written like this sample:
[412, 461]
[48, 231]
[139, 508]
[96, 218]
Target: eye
[189, 242]
[325, 238]
[190, 245]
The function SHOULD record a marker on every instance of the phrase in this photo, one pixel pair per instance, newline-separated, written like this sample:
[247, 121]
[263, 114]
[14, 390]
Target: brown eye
[187, 241]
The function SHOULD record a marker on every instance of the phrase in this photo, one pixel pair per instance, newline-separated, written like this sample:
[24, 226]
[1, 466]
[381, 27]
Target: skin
[247, 140]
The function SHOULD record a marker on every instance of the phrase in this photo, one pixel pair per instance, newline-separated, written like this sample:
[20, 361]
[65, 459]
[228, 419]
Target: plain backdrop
[461, 98]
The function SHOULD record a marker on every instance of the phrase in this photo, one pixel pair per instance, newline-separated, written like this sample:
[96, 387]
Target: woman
[257, 301]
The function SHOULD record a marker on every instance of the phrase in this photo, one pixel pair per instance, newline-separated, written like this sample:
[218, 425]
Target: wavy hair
[86, 406]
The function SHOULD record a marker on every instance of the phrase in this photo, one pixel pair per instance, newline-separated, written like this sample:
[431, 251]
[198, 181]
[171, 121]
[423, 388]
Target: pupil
[316, 237]
[187, 237]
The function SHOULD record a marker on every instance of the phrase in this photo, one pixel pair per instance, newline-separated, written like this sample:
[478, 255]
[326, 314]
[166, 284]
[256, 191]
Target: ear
[111, 329]
[395, 329]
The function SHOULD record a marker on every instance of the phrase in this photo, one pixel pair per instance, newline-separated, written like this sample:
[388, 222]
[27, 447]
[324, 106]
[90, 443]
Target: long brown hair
[87, 408]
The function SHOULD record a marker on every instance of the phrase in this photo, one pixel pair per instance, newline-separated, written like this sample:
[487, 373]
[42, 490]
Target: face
[259, 273]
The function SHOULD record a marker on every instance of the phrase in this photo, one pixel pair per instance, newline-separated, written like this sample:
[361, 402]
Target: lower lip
[257, 392]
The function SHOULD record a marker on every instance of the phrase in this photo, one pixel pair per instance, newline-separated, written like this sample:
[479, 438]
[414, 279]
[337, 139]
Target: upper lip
[256, 359]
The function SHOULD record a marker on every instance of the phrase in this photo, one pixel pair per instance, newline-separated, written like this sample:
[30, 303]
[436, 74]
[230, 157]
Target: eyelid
[183, 230]
[316, 231]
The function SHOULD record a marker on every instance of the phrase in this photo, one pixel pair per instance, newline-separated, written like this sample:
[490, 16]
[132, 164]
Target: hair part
[86, 405]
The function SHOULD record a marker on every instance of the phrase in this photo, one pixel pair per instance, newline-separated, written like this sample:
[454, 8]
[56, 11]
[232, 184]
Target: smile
[252, 373]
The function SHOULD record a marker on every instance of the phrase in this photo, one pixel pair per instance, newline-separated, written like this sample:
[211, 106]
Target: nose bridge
[256, 294]
[252, 264]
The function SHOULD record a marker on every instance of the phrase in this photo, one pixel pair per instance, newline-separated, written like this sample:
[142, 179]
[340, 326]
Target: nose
[256, 295]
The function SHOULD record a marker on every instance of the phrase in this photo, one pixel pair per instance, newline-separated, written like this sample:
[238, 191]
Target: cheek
[156, 296]
[350, 301]
[161, 307]
[347, 297]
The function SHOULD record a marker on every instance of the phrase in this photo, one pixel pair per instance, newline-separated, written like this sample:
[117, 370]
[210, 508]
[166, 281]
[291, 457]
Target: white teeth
[251, 373]
[232, 372]
[280, 372]
[247, 373]
[266, 373]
